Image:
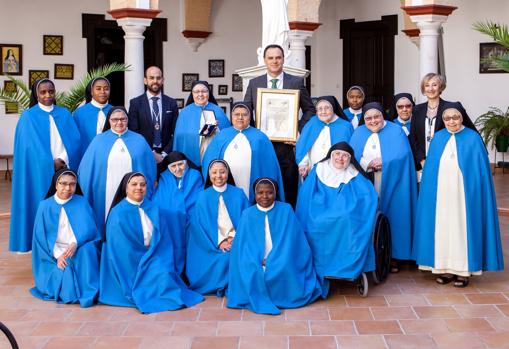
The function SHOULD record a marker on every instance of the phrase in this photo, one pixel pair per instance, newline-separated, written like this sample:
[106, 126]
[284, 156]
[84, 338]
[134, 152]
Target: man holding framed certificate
[276, 113]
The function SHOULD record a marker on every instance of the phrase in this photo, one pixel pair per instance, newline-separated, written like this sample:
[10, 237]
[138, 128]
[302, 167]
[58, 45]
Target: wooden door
[368, 57]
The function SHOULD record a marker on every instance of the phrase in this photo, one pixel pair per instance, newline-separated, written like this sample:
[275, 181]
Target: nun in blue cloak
[355, 97]
[271, 263]
[457, 232]
[176, 193]
[137, 268]
[247, 150]
[383, 150]
[198, 123]
[400, 111]
[337, 206]
[212, 230]
[91, 116]
[66, 245]
[112, 154]
[46, 139]
[329, 126]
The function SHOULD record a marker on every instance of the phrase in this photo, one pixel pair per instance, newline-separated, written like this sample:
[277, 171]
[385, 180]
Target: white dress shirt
[279, 81]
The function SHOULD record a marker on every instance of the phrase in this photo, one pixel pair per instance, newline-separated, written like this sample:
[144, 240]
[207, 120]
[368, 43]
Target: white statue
[275, 26]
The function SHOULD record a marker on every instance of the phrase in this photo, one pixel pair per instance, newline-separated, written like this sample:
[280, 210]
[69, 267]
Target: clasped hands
[226, 244]
[375, 164]
[62, 260]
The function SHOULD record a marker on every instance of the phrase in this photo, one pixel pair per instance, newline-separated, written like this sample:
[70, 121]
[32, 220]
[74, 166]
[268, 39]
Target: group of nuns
[216, 222]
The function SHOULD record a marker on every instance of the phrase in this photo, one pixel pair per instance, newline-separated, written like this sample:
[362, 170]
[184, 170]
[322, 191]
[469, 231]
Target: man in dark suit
[154, 116]
[273, 56]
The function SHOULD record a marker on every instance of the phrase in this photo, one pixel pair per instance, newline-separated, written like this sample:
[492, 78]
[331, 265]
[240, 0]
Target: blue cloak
[340, 130]
[178, 203]
[34, 168]
[398, 194]
[351, 116]
[79, 281]
[93, 168]
[86, 119]
[483, 231]
[264, 161]
[186, 138]
[289, 280]
[207, 266]
[338, 223]
[408, 124]
[133, 275]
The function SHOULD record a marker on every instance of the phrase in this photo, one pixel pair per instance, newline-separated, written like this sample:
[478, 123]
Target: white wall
[236, 34]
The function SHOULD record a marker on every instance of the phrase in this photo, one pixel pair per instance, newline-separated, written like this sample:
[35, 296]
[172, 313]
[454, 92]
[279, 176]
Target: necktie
[156, 121]
[274, 83]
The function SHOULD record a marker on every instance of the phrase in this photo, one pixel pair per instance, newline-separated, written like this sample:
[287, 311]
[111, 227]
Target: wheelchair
[9, 335]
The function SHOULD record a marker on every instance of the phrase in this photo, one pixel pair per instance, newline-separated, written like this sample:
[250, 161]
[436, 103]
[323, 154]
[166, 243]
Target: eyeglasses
[449, 118]
[342, 154]
[322, 109]
[407, 106]
[67, 184]
[240, 116]
[371, 118]
[203, 92]
[116, 121]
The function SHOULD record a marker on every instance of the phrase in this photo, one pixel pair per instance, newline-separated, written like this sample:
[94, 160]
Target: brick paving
[408, 311]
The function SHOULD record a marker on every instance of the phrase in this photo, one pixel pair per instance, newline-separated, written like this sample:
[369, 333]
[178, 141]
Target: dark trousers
[289, 170]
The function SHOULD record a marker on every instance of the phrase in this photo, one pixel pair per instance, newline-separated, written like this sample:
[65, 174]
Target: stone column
[429, 20]
[133, 55]
[299, 32]
[133, 22]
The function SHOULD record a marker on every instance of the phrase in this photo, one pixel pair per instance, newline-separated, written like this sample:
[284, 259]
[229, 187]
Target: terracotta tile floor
[409, 311]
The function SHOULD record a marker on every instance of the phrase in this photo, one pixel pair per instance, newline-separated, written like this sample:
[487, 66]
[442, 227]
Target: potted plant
[70, 99]
[494, 128]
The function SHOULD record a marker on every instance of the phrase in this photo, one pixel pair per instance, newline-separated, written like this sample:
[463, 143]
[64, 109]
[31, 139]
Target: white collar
[332, 177]
[279, 77]
[220, 189]
[61, 201]
[403, 122]
[334, 118]
[137, 203]
[97, 104]
[119, 134]
[453, 133]
[46, 108]
[355, 111]
[265, 209]
[240, 131]
[150, 95]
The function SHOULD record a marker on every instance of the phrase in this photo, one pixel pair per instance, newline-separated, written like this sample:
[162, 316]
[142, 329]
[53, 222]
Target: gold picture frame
[277, 113]
[64, 71]
[53, 45]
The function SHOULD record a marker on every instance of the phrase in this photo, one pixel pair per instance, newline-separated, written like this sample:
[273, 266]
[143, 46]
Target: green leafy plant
[500, 34]
[493, 124]
[70, 99]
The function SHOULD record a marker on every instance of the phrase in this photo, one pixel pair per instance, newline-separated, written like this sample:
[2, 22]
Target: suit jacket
[289, 82]
[417, 136]
[140, 120]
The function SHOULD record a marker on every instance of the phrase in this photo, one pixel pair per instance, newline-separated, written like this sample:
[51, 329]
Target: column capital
[133, 13]
[432, 9]
[307, 26]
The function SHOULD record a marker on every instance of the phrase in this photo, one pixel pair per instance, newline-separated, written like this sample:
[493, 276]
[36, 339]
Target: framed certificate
[277, 113]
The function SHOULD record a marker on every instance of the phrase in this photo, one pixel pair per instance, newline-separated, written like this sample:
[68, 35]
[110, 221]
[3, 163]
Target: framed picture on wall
[225, 104]
[236, 83]
[222, 90]
[180, 102]
[53, 45]
[216, 68]
[10, 107]
[12, 59]
[64, 71]
[489, 50]
[187, 80]
[34, 75]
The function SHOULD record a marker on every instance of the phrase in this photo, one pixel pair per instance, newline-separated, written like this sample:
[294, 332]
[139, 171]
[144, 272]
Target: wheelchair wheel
[362, 285]
[382, 246]
[9, 335]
